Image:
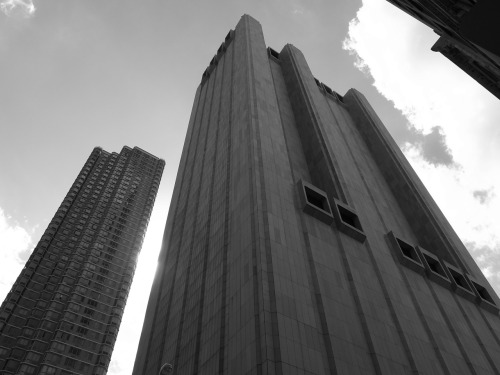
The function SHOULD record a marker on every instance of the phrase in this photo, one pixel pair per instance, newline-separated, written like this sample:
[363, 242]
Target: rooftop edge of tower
[247, 16]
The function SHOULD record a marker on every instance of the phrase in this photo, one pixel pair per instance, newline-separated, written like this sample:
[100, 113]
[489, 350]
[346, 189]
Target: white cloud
[18, 8]
[14, 242]
[394, 49]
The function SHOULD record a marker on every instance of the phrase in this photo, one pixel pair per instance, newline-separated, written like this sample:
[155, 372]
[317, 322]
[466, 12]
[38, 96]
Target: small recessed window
[74, 351]
[406, 253]
[459, 283]
[82, 330]
[349, 217]
[27, 369]
[273, 53]
[434, 268]
[316, 199]
[459, 279]
[70, 362]
[484, 299]
[408, 250]
[483, 293]
[348, 222]
[434, 265]
[314, 202]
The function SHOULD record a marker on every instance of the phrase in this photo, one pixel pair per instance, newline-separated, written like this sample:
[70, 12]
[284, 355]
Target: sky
[77, 74]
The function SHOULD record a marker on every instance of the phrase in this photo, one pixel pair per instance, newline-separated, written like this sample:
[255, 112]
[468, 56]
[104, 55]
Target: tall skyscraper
[63, 312]
[300, 241]
[444, 18]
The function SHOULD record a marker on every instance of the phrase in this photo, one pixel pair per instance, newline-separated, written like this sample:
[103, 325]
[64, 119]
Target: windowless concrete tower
[300, 241]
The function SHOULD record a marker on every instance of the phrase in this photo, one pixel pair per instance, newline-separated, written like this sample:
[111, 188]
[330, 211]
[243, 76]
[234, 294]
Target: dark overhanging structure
[447, 18]
[63, 313]
[300, 241]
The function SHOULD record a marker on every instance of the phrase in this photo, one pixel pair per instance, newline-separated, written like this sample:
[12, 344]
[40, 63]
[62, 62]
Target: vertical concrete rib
[394, 315]
[223, 318]
[490, 327]
[149, 320]
[322, 167]
[183, 214]
[478, 338]
[416, 305]
[171, 253]
[206, 246]
[298, 92]
[312, 275]
[374, 141]
[258, 48]
[254, 225]
[421, 211]
[196, 218]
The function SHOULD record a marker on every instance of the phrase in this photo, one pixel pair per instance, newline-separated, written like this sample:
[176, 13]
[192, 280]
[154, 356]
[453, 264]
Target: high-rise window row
[63, 313]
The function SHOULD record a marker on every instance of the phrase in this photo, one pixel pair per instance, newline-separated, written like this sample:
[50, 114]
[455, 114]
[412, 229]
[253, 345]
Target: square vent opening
[483, 292]
[406, 254]
[273, 53]
[459, 279]
[434, 268]
[348, 222]
[316, 199]
[435, 265]
[314, 202]
[349, 218]
[408, 251]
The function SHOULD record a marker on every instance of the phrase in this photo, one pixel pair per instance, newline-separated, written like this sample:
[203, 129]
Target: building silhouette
[445, 18]
[64, 310]
[300, 241]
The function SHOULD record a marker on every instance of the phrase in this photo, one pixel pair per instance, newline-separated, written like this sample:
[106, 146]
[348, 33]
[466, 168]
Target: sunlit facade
[63, 313]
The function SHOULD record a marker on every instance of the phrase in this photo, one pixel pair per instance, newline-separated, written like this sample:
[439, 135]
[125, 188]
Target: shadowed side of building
[299, 239]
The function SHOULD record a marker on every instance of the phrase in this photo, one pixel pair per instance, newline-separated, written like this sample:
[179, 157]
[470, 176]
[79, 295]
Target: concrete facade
[300, 241]
[64, 311]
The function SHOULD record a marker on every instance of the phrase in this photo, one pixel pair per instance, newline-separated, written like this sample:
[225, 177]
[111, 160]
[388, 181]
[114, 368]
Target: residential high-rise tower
[300, 241]
[63, 312]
